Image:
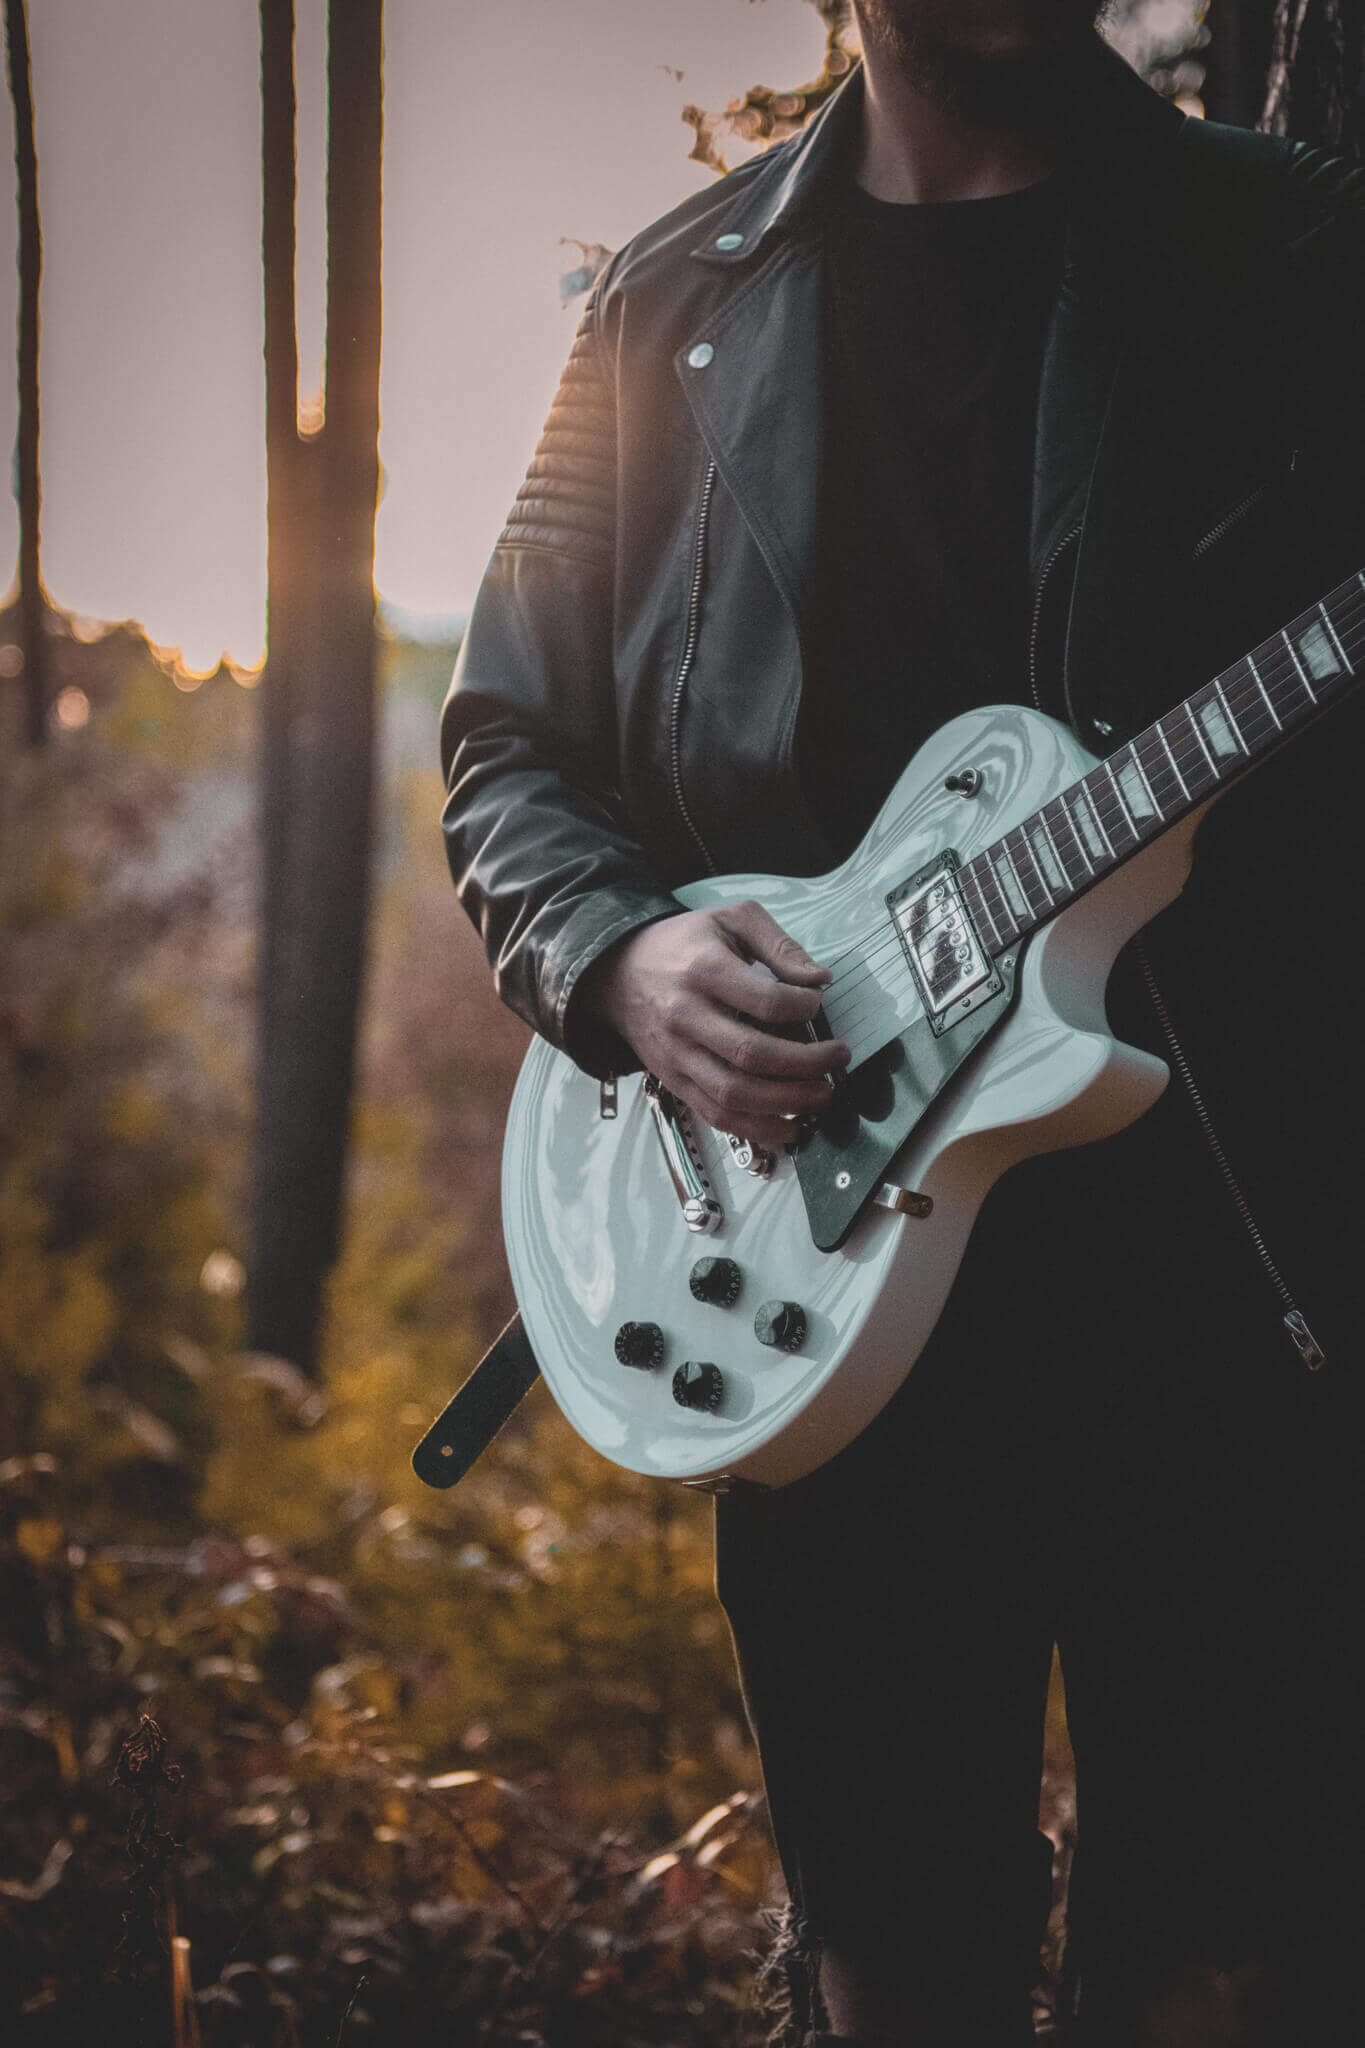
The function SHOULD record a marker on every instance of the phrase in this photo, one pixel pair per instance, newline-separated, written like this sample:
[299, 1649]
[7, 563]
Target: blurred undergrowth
[465, 1767]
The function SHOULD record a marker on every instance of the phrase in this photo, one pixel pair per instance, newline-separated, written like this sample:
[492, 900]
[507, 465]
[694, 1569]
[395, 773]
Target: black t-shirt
[934, 321]
[919, 608]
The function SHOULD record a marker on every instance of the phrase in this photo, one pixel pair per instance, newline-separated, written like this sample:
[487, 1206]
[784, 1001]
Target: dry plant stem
[144, 1770]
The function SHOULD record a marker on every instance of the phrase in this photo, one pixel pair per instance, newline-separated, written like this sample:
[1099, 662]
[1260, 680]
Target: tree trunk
[1315, 90]
[1237, 60]
[32, 604]
[320, 720]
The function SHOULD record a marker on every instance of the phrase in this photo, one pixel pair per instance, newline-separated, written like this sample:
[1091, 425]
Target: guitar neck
[1216, 735]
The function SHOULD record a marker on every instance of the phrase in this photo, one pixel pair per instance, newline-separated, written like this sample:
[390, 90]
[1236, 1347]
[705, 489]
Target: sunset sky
[507, 125]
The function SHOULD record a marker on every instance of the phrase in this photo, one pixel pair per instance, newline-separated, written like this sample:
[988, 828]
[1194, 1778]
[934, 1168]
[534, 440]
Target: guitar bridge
[952, 969]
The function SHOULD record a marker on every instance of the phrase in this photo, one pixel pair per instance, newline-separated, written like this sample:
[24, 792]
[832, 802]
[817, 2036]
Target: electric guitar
[701, 1309]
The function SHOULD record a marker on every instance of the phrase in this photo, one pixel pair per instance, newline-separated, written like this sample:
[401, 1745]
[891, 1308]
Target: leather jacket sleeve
[541, 857]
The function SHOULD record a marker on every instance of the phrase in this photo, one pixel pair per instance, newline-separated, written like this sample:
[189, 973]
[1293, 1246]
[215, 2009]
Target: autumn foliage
[464, 1767]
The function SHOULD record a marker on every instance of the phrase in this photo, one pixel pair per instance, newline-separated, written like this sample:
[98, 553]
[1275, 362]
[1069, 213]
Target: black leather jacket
[622, 714]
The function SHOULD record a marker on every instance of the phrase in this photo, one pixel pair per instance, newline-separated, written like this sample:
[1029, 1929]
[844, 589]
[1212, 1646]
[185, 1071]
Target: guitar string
[1188, 756]
[1029, 869]
[1253, 718]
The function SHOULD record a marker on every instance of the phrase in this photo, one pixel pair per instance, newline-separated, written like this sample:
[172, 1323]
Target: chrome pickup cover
[952, 969]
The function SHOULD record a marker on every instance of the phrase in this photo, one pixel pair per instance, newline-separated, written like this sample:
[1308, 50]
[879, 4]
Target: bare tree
[1236, 59]
[32, 604]
[1316, 90]
[319, 688]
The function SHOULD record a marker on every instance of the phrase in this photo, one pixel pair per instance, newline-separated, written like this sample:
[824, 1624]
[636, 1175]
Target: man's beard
[1018, 83]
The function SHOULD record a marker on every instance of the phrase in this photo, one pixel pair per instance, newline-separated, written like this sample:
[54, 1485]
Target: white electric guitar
[700, 1309]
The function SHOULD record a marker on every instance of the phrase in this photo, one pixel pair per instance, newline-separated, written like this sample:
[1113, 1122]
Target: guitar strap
[472, 1418]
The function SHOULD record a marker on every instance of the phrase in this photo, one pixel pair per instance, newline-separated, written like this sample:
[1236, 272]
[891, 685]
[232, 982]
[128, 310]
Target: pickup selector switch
[782, 1324]
[640, 1344]
[698, 1386]
[716, 1281]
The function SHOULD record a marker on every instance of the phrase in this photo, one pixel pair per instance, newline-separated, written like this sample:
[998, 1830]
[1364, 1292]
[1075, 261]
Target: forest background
[295, 1751]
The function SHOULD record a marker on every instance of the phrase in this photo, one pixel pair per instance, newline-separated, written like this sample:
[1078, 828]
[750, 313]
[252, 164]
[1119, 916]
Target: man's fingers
[740, 1098]
[741, 985]
[759, 1054]
[764, 939]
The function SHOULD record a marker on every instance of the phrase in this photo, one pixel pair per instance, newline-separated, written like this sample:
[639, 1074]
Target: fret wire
[1232, 722]
[1027, 851]
[1125, 818]
[1075, 836]
[1150, 770]
[1327, 621]
[1294, 657]
[989, 874]
[1157, 729]
[1256, 674]
[1193, 724]
[976, 904]
[1288, 687]
[1142, 772]
[1084, 787]
[987, 881]
[1202, 758]
[1008, 852]
[1062, 868]
[1002, 862]
[1118, 820]
[1244, 687]
[1249, 730]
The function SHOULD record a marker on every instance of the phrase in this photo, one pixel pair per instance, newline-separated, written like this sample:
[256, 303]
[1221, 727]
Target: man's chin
[994, 71]
[1017, 84]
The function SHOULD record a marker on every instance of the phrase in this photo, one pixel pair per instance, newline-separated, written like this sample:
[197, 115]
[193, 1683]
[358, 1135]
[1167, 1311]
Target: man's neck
[913, 150]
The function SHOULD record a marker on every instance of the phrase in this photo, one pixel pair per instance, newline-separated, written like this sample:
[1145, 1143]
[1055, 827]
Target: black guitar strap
[472, 1418]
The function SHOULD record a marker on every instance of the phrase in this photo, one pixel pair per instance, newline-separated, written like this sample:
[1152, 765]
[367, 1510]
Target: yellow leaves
[40, 1540]
[56, 1311]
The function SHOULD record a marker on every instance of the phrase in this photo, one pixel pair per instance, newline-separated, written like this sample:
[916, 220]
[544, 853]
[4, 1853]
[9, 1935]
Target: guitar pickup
[951, 968]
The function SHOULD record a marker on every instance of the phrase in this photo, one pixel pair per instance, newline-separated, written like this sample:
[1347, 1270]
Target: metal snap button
[729, 241]
[701, 355]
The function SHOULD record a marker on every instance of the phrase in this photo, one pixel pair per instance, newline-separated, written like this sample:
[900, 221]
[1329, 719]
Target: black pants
[1110, 1444]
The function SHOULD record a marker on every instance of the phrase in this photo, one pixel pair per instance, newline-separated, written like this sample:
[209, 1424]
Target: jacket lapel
[752, 379]
[751, 370]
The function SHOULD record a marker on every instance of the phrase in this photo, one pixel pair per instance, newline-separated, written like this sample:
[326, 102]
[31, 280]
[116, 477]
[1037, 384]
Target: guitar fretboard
[1215, 735]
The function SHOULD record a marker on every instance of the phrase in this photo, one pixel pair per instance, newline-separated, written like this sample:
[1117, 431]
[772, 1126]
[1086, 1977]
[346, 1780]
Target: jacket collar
[1115, 117]
[752, 371]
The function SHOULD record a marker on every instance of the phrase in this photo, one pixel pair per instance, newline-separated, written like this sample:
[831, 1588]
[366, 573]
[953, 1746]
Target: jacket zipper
[1058, 550]
[685, 667]
[1229, 519]
[1300, 1334]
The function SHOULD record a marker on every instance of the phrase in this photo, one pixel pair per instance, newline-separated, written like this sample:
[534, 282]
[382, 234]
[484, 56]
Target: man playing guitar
[1004, 382]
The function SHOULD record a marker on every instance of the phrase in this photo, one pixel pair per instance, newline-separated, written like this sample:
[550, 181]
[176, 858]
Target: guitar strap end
[473, 1416]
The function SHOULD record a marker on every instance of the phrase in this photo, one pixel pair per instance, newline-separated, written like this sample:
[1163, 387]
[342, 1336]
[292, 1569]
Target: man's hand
[681, 992]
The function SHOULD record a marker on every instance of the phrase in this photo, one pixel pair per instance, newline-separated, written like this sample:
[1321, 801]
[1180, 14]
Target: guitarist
[1003, 381]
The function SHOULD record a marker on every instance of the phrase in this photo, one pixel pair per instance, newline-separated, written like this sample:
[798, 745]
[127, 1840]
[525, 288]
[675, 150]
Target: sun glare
[72, 708]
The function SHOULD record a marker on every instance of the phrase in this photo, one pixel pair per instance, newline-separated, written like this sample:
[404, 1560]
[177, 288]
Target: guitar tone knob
[716, 1281]
[782, 1324]
[698, 1385]
[640, 1345]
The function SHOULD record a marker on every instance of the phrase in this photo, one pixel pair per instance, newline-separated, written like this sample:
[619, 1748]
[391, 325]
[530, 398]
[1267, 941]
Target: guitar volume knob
[716, 1281]
[781, 1324]
[698, 1385]
[640, 1345]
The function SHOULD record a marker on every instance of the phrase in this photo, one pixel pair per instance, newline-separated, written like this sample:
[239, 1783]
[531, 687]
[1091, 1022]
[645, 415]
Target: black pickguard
[876, 1108]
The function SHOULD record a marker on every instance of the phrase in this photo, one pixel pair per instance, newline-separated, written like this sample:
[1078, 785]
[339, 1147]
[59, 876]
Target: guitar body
[595, 1232]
